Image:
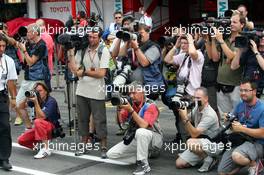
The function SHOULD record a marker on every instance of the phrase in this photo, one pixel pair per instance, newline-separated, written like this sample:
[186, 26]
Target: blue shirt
[51, 110]
[251, 116]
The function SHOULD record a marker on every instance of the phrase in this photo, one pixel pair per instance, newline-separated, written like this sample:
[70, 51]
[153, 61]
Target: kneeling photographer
[46, 123]
[200, 124]
[250, 124]
[144, 137]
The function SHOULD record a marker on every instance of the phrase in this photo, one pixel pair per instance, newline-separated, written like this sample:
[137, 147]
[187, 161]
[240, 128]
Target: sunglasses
[118, 17]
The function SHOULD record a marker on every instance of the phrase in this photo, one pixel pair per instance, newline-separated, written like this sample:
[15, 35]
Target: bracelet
[13, 98]
[24, 51]
[257, 53]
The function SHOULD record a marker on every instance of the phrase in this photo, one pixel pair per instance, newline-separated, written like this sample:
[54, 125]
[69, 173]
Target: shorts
[253, 151]
[26, 85]
[86, 107]
[210, 148]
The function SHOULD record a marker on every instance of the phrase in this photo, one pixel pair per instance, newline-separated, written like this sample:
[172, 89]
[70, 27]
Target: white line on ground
[71, 154]
[30, 171]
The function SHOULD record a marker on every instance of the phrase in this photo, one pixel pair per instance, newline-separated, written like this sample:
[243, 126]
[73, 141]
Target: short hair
[3, 38]
[43, 85]
[40, 22]
[34, 27]
[204, 90]
[97, 29]
[248, 80]
[242, 5]
[117, 12]
[144, 27]
[242, 19]
[82, 14]
[128, 18]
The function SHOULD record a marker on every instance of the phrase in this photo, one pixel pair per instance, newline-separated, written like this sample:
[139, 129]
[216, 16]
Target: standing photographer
[91, 70]
[47, 115]
[189, 74]
[35, 66]
[201, 122]
[250, 115]
[253, 64]
[146, 137]
[7, 83]
[223, 51]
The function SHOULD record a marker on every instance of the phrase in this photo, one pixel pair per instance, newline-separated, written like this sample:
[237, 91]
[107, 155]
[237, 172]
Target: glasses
[245, 90]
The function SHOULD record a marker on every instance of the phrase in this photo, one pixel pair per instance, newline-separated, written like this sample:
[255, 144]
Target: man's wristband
[13, 98]
[25, 51]
[257, 53]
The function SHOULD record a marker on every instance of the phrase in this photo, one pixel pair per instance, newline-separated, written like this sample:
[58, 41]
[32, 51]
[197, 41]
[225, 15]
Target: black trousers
[5, 131]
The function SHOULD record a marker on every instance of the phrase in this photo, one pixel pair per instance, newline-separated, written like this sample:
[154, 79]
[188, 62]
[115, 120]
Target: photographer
[252, 62]
[243, 10]
[222, 50]
[250, 114]
[7, 83]
[201, 122]
[47, 115]
[148, 135]
[190, 62]
[35, 66]
[91, 70]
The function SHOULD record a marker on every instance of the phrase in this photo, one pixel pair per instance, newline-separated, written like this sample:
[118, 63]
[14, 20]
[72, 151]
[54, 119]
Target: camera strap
[188, 66]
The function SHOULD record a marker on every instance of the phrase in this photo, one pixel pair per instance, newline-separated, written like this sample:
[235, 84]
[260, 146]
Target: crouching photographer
[250, 115]
[46, 124]
[146, 137]
[200, 124]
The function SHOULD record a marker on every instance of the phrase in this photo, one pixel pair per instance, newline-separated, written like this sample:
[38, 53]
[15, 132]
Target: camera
[219, 135]
[243, 41]
[128, 36]
[178, 101]
[31, 94]
[166, 40]
[117, 99]
[123, 76]
[58, 132]
[21, 34]
[130, 133]
[70, 40]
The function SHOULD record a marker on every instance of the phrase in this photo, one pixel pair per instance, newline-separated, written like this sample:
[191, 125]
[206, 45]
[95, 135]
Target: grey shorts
[86, 107]
[253, 151]
[210, 148]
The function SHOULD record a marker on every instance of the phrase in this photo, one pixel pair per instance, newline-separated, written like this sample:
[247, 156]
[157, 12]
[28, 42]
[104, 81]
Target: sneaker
[6, 165]
[142, 168]
[18, 121]
[208, 164]
[103, 153]
[252, 170]
[42, 154]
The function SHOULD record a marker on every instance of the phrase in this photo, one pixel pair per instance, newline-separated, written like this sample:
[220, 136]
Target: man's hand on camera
[22, 46]
[70, 53]
[237, 127]
[33, 99]
[134, 44]
[218, 35]
[189, 38]
[127, 107]
[183, 114]
[253, 46]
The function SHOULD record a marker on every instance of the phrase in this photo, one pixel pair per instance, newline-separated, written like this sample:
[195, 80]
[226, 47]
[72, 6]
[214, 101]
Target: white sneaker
[42, 154]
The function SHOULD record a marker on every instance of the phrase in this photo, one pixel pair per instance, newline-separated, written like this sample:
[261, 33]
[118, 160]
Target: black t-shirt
[251, 67]
[38, 49]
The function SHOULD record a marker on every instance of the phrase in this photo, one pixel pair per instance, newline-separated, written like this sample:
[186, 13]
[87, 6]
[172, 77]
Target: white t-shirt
[87, 86]
[7, 70]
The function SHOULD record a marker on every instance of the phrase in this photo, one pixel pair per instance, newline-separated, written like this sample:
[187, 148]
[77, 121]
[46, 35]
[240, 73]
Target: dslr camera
[58, 132]
[178, 101]
[70, 40]
[21, 35]
[128, 36]
[117, 99]
[30, 94]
